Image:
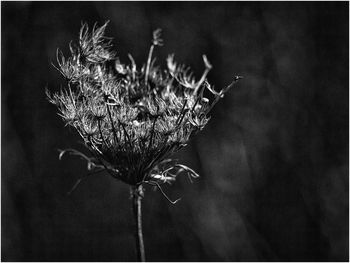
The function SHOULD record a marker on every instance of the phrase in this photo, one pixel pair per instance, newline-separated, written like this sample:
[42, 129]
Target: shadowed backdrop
[273, 159]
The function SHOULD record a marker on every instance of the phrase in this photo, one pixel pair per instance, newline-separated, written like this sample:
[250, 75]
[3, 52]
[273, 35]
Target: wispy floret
[94, 46]
[132, 119]
[157, 41]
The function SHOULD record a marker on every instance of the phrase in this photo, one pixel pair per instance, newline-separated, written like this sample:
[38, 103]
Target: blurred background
[273, 160]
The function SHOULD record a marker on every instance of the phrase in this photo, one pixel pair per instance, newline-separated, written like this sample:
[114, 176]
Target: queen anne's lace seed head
[131, 118]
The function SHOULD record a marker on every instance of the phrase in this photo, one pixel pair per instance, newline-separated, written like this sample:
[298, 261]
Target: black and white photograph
[174, 131]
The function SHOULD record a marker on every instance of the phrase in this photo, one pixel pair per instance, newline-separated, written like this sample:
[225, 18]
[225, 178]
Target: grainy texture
[273, 159]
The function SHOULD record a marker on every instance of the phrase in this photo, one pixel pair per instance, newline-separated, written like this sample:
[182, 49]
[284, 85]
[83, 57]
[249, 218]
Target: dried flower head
[131, 119]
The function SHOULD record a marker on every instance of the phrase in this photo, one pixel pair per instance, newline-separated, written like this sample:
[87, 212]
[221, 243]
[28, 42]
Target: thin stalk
[148, 63]
[111, 120]
[182, 113]
[137, 196]
[100, 130]
[152, 133]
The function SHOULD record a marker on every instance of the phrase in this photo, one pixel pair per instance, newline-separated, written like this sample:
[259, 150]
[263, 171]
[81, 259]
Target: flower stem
[137, 196]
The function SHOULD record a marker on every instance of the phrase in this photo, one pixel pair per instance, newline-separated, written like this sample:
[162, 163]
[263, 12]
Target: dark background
[273, 160]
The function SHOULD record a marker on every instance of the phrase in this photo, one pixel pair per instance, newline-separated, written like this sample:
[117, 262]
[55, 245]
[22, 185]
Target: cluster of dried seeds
[131, 119]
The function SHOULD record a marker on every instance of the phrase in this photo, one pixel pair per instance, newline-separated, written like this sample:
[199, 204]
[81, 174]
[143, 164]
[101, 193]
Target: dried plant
[131, 119]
